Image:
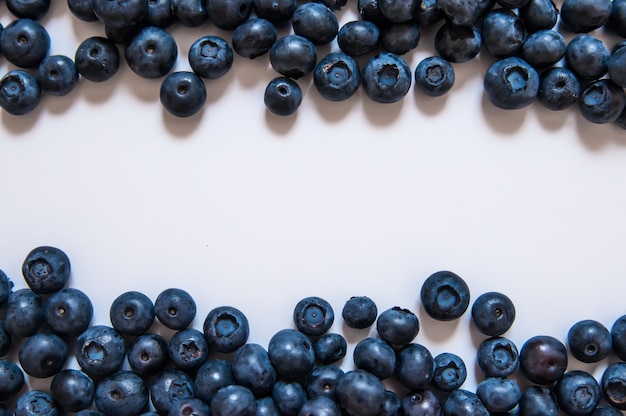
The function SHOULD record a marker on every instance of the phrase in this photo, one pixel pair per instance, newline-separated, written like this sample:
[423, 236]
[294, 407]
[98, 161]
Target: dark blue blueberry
[577, 393]
[46, 269]
[313, 316]
[499, 394]
[449, 372]
[120, 13]
[493, 313]
[512, 4]
[543, 48]
[36, 403]
[291, 353]
[57, 75]
[502, 33]
[543, 359]
[82, 10]
[330, 347]
[589, 341]
[254, 38]
[369, 10]
[182, 93]
[43, 355]
[190, 13]
[337, 77]
[212, 376]
[444, 294]
[415, 366]
[252, 368]
[361, 393]
[121, 393]
[5, 411]
[132, 313]
[375, 356]
[6, 341]
[457, 43]
[122, 35]
[159, 14]
[11, 379]
[587, 57]
[421, 403]
[265, 406]
[316, 22]
[100, 351]
[289, 397]
[428, 13]
[31, 9]
[233, 400]
[293, 56]
[190, 406]
[320, 406]
[282, 96]
[616, 66]
[335, 4]
[539, 15]
[434, 76]
[169, 385]
[228, 14]
[621, 120]
[602, 101]
[6, 287]
[460, 12]
[226, 328]
[97, 59]
[20, 92]
[497, 357]
[359, 312]
[400, 38]
[398, 326]
[148, 354]
[510, 83]
[278, 12]
[606, 411]
[583, 16]
[484, 6]
[386, 78]
[151, 53]
[24, 312]
[463, 403]
[618, 337]
[189, 349]
[399, 11]
[617, 19]
[558, 88]
[613, 385]
[68, 312]
[24, 42]
[72, 390]
[537, 400]
[392, 404]
[210, 57]
[92, 412]
[358, 37]
[175, 308]
[323, 381]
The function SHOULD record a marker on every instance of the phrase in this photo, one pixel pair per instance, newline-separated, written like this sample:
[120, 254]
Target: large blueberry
[212, 376]
[589, 341]
[464, 403]
[254, 38]
[123, 393]
[330, 347]
[228, 14]
[602, 101]
[617, 19]
[316, 22]
[361, 393]
[337, 77]
[252, 368]
[151, 53]
[587, 56]
[46, 269]
[460, 12]
[120, 13]
[182, 93]
[543, 48]
[57, 75]
[543, 359]
[97, 59]
[289, 397]
[399, 11]
[386, 78]
[401, 37]
[585, 15]
[36, 403]
[497, 357]
[616, 65]
[415, 366]
[320, 406]
[618, 337]
[499, 394]
[233, 400]
[278, 12]
[169, 385]
[132, 313]
[421, 403]
[577, 393]
[148, 354]
[358, 37]
[444, 294]
[449, 372]
[457, 43]
[376, 356]
[613, 385]
[559, 88]
[190, 13]
[493, 313]
[323, 381]
[502, 33]
[282, 96]
[293, 56]
[100, 351]
[539, 15]
[226, 328]
[434, 76]
[24, 313]
[24, 42]
[511, 83]
[20, 92]
[291, 353]
[313, 316]
[359, 312]
[31, 9]
[11, 379]
[175, 308]
[398, 326]
[68, 312]
[210, 57]
[159, 14]
[43, 355]
[538, 400]
[72, 390]
[189, 349]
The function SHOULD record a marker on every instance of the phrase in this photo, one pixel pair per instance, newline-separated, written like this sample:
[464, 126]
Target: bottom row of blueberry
[130, 368]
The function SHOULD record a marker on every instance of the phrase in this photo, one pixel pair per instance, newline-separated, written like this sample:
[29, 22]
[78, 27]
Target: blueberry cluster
[532, 59]
[128, 368]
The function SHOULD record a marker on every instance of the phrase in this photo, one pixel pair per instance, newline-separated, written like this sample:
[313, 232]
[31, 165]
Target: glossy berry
[293, 56]
[543, 359]
[323, 381]
[97, 59]
[585, 15]
[169, 385]
[100, 351]
[24, 313]
[360, 393]
[233, 401]
[320, 406]
[265, 406]
[289, 397]
[31, 9]
[499, 394]
[386, 78]
[398, 326]
[148, 354]
[226, 328]
[577, 393]
[337, 76]
[121, 393]
[25, 43]
[444, 294]
[502, 33]
[587, 57]
[589, 341]
[43, 355]
[415, 366]
[615, 65]
[330, 347]
[457, 43]
[558, 89]
[602, 101]
[252, 368]
[210, 57]
[316, 22]
[358, 37]
[291, 353]
[68, 312]
[313, 316]
[282, 96]
[35, 402]
[449, 372]
[132, 313]
[72, 390]
[175, 308]
[434, 76]
[613, 385]
[359, 312]
[151, 53]
[254, 38]
[182, 93]
[543, 48]
[278, 12]
[190, 13]
[493, 313]
[538, 400]
[11, 379]
[421, 403]
[400, 38]
[46, 269]
[538, 15]
[214, 374]
[189, 349]
[228, 14]
[618, 337]
[375, 356]
[57, 75]
[497, 357]
[20, 92]
[464, 403]
[511, 83]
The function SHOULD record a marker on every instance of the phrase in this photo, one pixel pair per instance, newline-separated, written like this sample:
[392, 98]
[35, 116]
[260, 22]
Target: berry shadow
[332, 111]
[436, 331]
[280, 125]
[505, 122]
[382, 115]
[354, 335]
[430, 106]
[552, 121]
[596, 137]
[251, 72]
[19, 125]
[182, 127]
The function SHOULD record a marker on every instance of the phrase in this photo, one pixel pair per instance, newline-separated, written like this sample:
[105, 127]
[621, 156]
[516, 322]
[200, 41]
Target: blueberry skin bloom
[100, 351]
[386, 78]
[399, 11]
[449, 372]
[543, 48]
[210, 57]
[421, 403]
[293, 56]
[313, 316]
[252, 368]
[493, 313]
[282, 96]
[189, 407]
[582, 16]
[415, 366]
[577, 393]
[57, 75]
[330, 347]
[228, 14]
[337, 76]
[132, 313]
[72, 390]
[397, 326]
[190, 13]
[511, 83]
[276, 11]
[460, 12]
[400, 38]
[499, 394]
[464, 403]
[226, 328]
[289, 397]
[587, 56]
[502, 33]
[602, 101]
[538, 400]
[35, 403]
[375, 356]
[43, 355]
[24, 42]
[320, 406]
[359, 312]
[212, 376]
[434, 76]
[558, 89]
[444, 295]
[120, 13]
[97, 59]
[31, 9]
[538, 15]
[148, 354]
[323, 381]
[613, 385]
[265, 406]
[175, 308]
[361, 393]
[589, 341]
[618, 337]
[46, 269]
[189, 349]
[616, 66]
[24, 313]
[316, 22]
[151, 53]
[457, 43]
[68, 312]
[254, 38]
[543, 359]
[497, 357]
[617, 20]
[169, 385]
[20, 92]
[123, 393]
[182, 93]
[291, 353]
[233, 401]
[358, 37]
[11, 379]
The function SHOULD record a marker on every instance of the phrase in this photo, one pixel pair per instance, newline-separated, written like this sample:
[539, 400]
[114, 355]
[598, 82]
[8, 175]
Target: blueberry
[538, 15]
[464, 403]
[291, 353]
[330, 347]
[499, 394]
[502, 33]
[191, 406]
[421, 403]
[20, 92]
[543, 48]
[428, 13]
[289, 397]
[323, 381]
[400, 38]
[151, 53]
[100, 351]
[399, 11]
[337, 76]
[252, 368]
[6, 287]
[24, 42]
[46, 269]
[169, 385]
[159, 14]
[444, 294]
[120, 13]
[587, 57]
[82, 10]
[5, 411]
[121, 35]
[618, 337]
[210, 57]
[511, 83]
[228, 14]
[613, 385]
[322, 406]
[369, 10]
[497, 357]
[589, 341]
[293, 56]
[398, 326]
[132, 313]
[493, 313]
[602, 101]
[449, 372]
[361, 393]
[457, 43]
[57, 75]
[375, 356]
[97, 59]
[392, 404]
[386, 78]
[415, 366]
[182, 93]
[190, 13]
[358, 37]
[68, 312]
[226, 328]
[558, 88]
[6, 341]
[24, 313]
[175, 308]
[359, 312]
[460, 12]
[585, 15]
[43, 355]
[265, 406]
[121, 393]
[313, 316]
[616, 65]
[254, 38]
[36, 403]
[606, 411]
[282, 96]
[617, 19]
[278, 12]
[538, 400]
[214, 374]
[315, 22]
[512, 4]
[72, 390]
[11, 379]
[434, 76]
[233, 400]
[577, 393]
[148, 354]
[543, 359]
[188, 349]
[31, 9]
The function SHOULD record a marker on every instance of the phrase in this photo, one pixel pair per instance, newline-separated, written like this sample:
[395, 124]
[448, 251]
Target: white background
[244, 208]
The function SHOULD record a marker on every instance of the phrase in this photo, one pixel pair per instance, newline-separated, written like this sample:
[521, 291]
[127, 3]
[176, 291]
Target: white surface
[244, 208]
